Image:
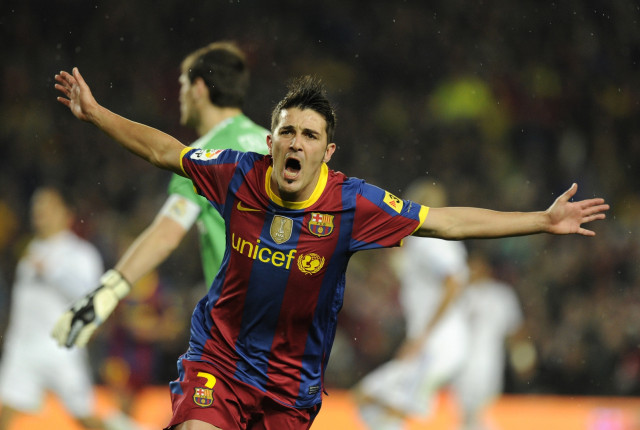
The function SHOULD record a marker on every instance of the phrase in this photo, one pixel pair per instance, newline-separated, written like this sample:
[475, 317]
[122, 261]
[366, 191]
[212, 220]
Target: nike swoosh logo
[245, 209]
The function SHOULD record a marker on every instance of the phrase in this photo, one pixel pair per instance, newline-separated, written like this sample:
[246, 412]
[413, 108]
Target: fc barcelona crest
[203, 397]
[281, 228]
[321, 224]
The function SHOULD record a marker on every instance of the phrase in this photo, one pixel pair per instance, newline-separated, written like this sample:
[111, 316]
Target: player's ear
[331, 148]
[269, 143]
[200, 87]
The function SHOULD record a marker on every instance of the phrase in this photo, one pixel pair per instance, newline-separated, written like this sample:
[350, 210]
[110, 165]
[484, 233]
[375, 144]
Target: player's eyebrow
[311, 131]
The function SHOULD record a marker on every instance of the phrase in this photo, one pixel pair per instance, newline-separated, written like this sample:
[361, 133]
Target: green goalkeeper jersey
[238, 133]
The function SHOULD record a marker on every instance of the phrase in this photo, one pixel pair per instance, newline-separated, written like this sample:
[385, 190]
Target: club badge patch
[321, 224]
[393, 202]
[203, 397]
[281, 228]
[310, 263]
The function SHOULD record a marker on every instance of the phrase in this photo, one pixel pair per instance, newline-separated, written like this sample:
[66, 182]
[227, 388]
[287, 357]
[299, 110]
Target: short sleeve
[382, 219]
[210, 170]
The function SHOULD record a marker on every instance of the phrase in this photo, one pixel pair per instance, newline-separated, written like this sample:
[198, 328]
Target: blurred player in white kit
[495, 321]
[56, 268]
[432, 273]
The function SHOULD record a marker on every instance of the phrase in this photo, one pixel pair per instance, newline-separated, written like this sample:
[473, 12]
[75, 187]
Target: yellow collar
[320, 185]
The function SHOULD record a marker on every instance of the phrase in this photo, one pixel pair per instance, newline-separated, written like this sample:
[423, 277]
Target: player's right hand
[77, 325]
[76, 94]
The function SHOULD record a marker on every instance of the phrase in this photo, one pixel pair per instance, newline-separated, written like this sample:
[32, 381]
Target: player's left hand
[566, 217]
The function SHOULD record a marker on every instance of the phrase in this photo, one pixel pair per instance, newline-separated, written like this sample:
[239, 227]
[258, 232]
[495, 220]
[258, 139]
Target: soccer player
[432, 274]
[496, 324]
[213, 84]
[261, 337]
[57, 267]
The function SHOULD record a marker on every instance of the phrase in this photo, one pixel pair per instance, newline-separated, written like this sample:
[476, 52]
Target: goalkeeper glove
[76, 326]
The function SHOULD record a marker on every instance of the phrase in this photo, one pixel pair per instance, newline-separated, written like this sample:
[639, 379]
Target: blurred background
[504, 103]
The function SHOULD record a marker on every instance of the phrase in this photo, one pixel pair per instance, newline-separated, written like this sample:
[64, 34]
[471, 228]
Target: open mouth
[292, 168]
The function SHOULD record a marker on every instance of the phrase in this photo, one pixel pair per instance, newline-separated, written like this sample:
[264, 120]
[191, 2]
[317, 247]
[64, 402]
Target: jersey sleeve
[382, 219]
[241, 135]
[210, 171]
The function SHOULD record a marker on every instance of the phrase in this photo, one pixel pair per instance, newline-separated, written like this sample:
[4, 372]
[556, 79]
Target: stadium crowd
[488, 98]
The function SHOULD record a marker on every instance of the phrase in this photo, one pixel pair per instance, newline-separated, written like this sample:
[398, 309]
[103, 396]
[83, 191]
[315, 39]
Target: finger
[64, 101]
[67, 79]
[78, 76]
[570, 192]
[595, 209]
[592, 202]
[585, 232]
[64, 90]
[591, 218]
[61, 84]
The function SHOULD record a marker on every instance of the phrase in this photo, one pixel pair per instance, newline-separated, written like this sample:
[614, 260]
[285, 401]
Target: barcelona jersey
[270, 316]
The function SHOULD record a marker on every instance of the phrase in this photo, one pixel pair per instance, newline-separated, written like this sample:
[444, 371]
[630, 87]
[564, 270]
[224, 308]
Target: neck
[213, 115]
[296, 199]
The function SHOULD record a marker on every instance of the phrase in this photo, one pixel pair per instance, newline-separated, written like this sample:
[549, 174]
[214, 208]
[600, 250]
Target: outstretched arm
[156, 147]
[150, 248]
[562, 217]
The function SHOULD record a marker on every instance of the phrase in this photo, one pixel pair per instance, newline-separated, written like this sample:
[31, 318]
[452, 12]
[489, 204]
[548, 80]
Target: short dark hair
[307, 92]
[223, 68]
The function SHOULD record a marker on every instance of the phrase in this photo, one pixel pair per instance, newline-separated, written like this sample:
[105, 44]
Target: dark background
[505, 103]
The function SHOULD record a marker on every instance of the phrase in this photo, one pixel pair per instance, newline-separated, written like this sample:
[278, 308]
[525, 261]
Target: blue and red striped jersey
[270, 316]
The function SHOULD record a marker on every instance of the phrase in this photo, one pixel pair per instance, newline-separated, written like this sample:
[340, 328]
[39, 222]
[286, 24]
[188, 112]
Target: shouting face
[299, 147]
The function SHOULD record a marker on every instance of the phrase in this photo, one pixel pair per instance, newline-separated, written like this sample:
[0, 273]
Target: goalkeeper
[213, 84]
